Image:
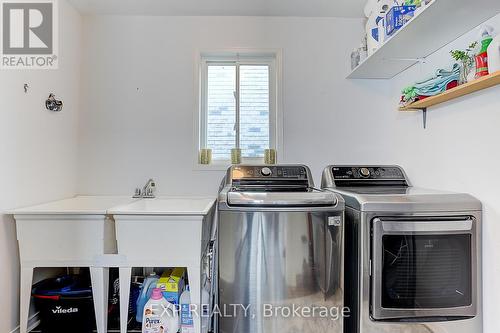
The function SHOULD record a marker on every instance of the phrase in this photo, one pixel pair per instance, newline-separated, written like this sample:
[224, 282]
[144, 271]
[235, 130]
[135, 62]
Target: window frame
[271, 58]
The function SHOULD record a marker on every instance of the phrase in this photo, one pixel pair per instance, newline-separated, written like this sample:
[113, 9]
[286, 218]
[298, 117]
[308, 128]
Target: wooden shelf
[465, 89]
[440, 23]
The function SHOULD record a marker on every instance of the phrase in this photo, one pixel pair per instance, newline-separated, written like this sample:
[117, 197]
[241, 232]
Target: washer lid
[281, 199]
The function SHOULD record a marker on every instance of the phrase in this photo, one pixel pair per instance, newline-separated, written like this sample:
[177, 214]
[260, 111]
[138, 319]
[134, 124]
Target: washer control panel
[367, 172]
[268, 171]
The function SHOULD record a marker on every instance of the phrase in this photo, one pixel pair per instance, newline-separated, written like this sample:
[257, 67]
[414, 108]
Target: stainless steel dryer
[413, 256]
[280, 252]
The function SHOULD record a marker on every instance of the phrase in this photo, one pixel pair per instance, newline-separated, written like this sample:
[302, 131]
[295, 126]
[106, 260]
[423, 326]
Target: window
[238, 105]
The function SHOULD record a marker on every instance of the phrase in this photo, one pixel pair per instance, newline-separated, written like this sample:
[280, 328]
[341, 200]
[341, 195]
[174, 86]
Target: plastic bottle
[160, 316]
[187, 324]
[482, 56]
[363, 52]
[147, 289]
[494, 55]
[375, 26]
[355, 58]
[372, 33]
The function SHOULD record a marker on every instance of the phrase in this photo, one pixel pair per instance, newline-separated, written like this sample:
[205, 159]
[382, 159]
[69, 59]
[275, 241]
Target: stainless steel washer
[413, 256]
[280, 252]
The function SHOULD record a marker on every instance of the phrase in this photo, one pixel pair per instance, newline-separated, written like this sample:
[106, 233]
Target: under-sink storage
[164, 231]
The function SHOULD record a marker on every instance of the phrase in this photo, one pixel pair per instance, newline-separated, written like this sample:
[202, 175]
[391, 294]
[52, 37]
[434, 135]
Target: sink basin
[166, 206]
[91, 205]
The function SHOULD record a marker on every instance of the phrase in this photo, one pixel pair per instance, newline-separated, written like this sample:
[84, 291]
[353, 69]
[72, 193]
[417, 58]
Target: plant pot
[467, 73]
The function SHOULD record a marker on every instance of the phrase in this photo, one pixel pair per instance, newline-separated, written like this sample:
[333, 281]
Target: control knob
[364, 172]
[266, 172]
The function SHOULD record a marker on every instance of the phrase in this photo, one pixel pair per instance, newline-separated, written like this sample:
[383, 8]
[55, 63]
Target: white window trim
[276, 106]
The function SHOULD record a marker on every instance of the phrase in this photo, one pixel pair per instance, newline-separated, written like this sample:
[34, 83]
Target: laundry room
[316, 166]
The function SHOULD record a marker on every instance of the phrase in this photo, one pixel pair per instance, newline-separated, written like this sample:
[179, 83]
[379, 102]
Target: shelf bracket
[424, 114]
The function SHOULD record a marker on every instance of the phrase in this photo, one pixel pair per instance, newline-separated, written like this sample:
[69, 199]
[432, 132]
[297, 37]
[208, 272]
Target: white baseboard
[33, 322]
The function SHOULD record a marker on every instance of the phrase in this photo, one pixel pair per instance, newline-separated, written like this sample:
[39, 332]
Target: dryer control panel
[367, 175]
[367, 172]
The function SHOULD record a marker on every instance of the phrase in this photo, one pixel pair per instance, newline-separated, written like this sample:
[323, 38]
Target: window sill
[223, 166]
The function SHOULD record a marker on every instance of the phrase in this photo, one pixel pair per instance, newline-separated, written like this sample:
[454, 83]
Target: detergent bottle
[375, 26]
[147, 289]
[482, 56]
[494, 55]
[159, 316]
[187, 324]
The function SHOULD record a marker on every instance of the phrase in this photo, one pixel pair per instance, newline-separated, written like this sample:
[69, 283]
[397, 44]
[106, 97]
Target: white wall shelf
[440, 23]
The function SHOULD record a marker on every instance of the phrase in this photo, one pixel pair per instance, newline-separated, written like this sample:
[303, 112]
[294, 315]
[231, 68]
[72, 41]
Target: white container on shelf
[494, 55]
[375, 26]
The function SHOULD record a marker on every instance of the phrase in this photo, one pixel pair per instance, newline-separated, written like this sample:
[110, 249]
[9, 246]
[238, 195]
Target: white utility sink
[164, 232]
[80, 205]
[166, 206]
[67, 233]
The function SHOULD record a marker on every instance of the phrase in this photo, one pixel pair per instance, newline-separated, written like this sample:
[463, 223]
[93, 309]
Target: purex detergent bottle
[159, 316]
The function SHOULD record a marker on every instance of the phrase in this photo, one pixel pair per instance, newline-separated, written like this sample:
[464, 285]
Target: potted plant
[466, 60]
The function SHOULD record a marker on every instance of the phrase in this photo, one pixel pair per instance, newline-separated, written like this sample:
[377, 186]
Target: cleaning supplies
[381, 30]
[373, 15]
[187, 325]
[494, 55]
[397, 17]
[482, 56]
[146, 290]
[173, 284]
[355, 58]
[159, 316]
[375, 26]
[363, 50]
[372, 32]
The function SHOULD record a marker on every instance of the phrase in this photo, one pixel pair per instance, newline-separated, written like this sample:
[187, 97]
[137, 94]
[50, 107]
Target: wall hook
[53, 104]
[26, 87]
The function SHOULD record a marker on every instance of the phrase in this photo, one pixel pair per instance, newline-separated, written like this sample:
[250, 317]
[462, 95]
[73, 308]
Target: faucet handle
[151, 188]
[137, 193]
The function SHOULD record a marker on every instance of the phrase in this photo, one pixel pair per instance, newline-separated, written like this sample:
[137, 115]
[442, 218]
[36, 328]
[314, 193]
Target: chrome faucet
[148, 191]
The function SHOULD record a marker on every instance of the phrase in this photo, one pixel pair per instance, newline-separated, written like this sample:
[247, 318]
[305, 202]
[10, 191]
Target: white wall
[139, 100]
[37, 148]
[458, 151]
[140, 93]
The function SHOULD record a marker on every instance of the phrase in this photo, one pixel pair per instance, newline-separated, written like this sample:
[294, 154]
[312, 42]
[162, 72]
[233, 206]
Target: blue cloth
[437, 84]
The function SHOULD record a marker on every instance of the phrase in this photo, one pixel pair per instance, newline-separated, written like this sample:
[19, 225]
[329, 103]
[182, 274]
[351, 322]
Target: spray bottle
[482, 56]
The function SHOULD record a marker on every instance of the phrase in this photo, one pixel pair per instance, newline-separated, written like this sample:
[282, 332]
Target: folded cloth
[438, 83]
[433, 85]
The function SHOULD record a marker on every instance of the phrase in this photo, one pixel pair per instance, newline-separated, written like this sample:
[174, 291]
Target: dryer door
[423, 268]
